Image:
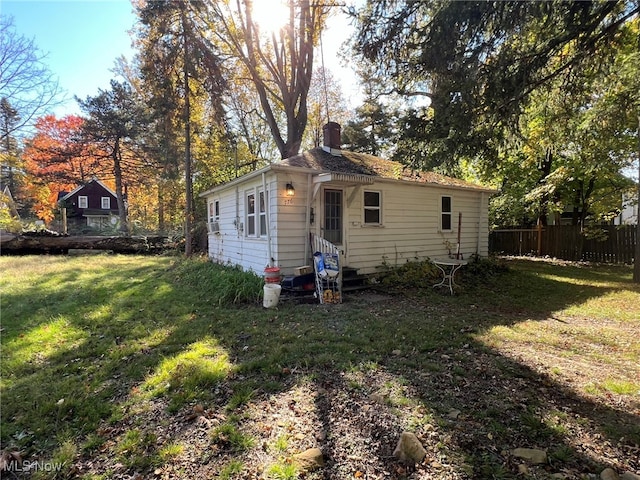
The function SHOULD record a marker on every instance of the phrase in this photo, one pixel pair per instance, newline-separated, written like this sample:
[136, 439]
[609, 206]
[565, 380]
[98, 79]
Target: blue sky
[81, 39]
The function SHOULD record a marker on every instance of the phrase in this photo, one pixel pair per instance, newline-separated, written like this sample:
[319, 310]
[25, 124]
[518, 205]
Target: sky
[83, 38]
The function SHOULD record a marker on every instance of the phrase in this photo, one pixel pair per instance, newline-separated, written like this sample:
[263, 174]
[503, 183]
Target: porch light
[290, 190]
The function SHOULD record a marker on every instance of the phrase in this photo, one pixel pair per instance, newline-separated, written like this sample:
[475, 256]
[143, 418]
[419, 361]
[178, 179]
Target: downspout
[237, 222]
[267, 219]
[307, 232]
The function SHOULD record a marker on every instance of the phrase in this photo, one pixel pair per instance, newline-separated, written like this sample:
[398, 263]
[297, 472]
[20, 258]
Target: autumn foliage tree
[115, 122]
[57, 160]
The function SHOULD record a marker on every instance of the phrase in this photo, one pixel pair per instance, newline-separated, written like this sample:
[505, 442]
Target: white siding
[232, 245]
[290, 217]
[410, 228]
[286, 221]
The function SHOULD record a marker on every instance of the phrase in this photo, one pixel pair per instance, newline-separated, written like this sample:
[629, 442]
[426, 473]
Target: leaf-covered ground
[543, 357]
[470, 406]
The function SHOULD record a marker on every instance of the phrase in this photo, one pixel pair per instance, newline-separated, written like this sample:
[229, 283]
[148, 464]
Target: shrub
[482, 269]
[223, 285]
[419, 274]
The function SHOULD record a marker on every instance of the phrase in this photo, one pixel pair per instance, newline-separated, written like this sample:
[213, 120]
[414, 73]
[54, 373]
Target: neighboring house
[7, 201]
[93, 205]
[375, 211]
[629, 213]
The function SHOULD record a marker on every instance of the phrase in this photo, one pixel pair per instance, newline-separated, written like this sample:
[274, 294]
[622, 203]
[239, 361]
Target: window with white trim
[106, 203]
[83, 201]
[263, 214]
[251, 215]
[372, 207]
[445, 212]
[214, 211]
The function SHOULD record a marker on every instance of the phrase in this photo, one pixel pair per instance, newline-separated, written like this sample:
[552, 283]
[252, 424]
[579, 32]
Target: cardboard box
[304, 270]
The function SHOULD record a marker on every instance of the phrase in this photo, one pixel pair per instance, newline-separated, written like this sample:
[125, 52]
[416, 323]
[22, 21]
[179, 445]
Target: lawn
[159, 367]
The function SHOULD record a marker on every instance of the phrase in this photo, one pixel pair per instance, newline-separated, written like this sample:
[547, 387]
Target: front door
[333, 216]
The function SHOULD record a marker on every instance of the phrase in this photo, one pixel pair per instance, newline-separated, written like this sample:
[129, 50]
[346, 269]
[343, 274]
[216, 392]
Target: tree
[250, 137]
[279, 66]
[25, 81]
[115, 121]
[325, 103]
[57, 160]
[56, 152]
[176, 66]
[373, 130]
[478, 62]
[10, 162]
[481, 64]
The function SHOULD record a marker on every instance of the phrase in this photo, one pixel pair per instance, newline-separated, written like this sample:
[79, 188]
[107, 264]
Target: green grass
[136, 449]
[282, 471]
[95, 350]
[232, 470]
[228, 435]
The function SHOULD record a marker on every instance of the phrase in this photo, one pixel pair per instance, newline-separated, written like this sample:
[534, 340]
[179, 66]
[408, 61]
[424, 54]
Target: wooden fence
[608, 244]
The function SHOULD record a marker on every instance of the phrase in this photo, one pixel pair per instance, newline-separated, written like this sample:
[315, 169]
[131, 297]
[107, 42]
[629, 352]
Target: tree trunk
[636, 259]
[545, 170]
[117, 172]
[161, 225]
[188, 211]
[62, 244]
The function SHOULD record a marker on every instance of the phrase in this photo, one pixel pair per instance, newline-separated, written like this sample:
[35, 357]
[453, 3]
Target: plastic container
[272, 275]
[271, 295]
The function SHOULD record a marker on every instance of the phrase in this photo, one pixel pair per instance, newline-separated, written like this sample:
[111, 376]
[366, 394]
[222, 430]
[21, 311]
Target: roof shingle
[365, 164]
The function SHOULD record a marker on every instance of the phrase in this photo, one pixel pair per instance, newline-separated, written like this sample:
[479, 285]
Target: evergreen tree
[115, 121]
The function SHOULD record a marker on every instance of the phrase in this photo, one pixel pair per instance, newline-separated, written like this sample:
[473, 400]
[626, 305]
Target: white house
[629, 213]
[374, 210]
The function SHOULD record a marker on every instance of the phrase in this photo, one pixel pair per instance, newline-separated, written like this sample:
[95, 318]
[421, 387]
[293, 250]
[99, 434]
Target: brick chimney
[332, 141]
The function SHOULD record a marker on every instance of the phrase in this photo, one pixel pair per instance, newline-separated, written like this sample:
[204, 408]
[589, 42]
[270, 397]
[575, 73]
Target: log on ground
[62, 244]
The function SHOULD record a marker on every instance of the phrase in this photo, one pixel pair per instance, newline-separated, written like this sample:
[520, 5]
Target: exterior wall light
[290, 190]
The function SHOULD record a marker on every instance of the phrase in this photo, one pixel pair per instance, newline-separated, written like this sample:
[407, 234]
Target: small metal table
[448, 267]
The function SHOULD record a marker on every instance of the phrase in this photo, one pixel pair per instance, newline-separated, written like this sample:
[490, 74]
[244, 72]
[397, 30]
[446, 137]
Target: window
[83, 202]
[263, 214]
[256, 221]
[214, 211]
[372, 208]
[445, 213]
[251, 215]
[106, 203]
[214, 217]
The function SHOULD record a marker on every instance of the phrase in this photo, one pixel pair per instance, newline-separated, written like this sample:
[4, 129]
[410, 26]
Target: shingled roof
[365, 164]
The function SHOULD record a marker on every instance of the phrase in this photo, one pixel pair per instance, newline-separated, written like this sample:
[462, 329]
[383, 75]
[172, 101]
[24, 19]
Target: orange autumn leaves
[56, 159]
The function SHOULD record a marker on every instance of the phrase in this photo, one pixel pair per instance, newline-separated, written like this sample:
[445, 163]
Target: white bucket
[271, 295]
